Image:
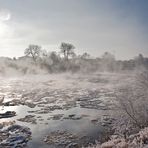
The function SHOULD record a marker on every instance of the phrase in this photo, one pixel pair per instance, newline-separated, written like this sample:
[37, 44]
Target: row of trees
[67, 55]
[67, 60]
[35, 51]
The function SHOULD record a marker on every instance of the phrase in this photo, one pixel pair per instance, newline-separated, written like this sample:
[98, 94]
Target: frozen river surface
[61, 110]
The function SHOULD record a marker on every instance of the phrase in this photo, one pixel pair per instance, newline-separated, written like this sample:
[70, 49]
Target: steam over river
[61, 110]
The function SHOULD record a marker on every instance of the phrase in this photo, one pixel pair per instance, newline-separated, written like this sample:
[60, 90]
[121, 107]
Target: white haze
[91, 29]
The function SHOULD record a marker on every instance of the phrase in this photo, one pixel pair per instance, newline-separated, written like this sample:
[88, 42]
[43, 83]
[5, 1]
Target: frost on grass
[139, 140]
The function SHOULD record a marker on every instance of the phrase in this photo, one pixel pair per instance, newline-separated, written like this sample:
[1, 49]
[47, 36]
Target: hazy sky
[94, 26]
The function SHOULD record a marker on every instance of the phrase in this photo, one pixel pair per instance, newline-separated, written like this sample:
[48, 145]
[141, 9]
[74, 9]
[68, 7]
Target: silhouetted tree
[14, 58]
[33, 51]
[85, 56]
[54, 57]
[108, 56]
[108, 61]
[139, 60]
[67, 50]
[43, 53]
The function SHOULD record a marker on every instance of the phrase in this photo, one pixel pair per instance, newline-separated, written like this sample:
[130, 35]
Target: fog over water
[73, 73]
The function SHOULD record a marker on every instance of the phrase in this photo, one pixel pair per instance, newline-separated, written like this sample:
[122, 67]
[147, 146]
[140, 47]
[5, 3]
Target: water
[51, 87]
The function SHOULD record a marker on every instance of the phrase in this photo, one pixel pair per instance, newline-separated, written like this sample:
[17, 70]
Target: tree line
[107, 62]
[66, 59]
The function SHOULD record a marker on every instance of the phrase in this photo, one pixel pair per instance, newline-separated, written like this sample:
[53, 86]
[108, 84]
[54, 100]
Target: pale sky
[93, 26]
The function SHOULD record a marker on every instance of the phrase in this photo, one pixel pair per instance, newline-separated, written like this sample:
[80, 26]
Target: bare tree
[108, 56]
[128, 102]
[67, 50]
[132, 102]
[85, 55]
[54, 57]
[108, 61]
[139, 61]
[33, 51]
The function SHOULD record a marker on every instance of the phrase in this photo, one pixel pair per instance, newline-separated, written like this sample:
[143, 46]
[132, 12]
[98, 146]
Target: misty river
[75, 107]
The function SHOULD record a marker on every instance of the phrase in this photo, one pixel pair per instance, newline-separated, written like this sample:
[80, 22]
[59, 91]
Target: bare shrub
[132, 106]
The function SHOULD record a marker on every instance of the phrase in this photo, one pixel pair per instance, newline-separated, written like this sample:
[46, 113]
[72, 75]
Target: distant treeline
[36, 60]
